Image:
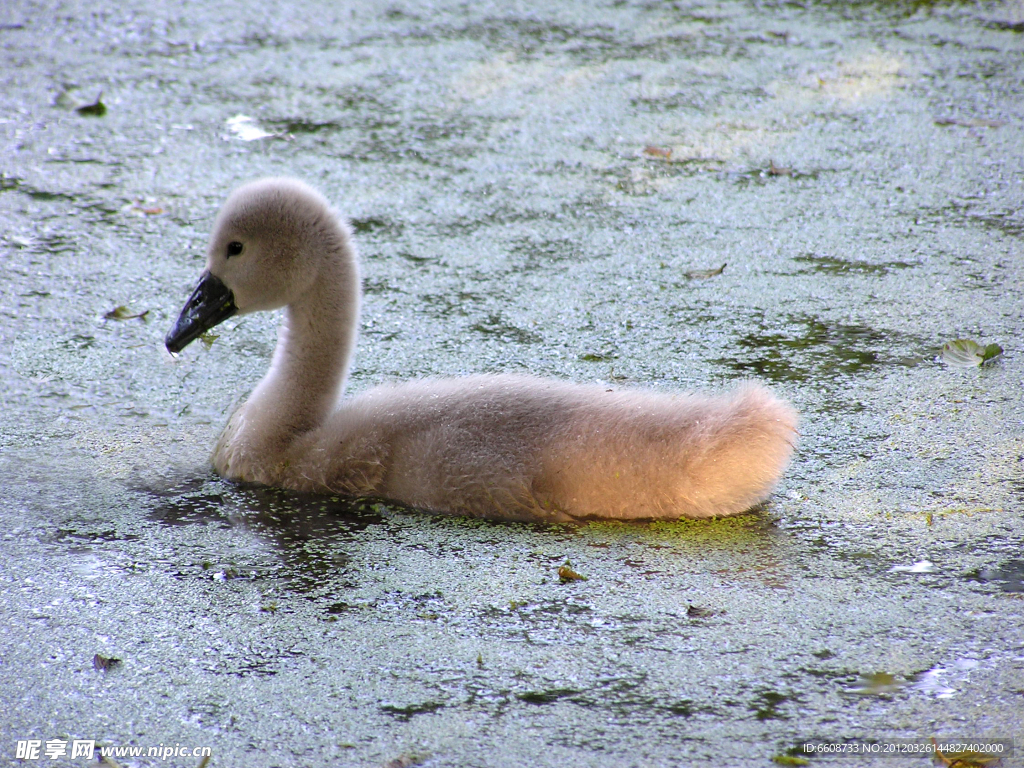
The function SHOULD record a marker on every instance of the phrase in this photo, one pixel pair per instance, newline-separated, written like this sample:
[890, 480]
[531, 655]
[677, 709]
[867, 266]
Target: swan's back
[525, 448]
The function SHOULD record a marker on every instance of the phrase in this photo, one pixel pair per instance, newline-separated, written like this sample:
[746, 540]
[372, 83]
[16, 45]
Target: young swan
[505, 447]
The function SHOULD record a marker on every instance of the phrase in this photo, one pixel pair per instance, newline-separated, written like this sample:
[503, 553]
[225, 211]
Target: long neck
[314, 349]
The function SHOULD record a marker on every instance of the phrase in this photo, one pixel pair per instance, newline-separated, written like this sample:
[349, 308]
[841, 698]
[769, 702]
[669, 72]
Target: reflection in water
[309, 533]
[1008, 576]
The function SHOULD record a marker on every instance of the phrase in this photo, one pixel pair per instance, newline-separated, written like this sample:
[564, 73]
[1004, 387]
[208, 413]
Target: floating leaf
[966, 353]
[592, 357]
[876, 684]
[974, 122]
[991, 352]
[407, 760]
[96, 109]
[104, 662]
[567, 574]
[123, 313]
[696, 612]
[967, 758]
[208, 338]
[653, 151]
[148, 207]
[790, 760]
[704, 274]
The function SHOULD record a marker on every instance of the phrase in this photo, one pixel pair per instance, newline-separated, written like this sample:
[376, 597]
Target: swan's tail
[742, 446]
[642, 455]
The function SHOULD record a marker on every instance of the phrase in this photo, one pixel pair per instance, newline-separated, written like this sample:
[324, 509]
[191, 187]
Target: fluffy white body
[506, 447]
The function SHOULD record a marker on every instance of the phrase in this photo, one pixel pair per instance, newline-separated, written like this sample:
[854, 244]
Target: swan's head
[266, 250]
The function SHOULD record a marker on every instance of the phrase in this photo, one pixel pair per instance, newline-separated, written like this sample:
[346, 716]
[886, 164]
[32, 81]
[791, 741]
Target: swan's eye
[234, 248]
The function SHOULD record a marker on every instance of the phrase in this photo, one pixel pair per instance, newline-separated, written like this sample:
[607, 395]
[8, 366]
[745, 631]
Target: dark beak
[210, 303]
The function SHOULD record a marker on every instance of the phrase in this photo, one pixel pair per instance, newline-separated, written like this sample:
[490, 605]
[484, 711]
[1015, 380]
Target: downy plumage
[499, 446]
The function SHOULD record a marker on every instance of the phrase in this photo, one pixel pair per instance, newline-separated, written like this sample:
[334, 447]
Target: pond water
[546, 187]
